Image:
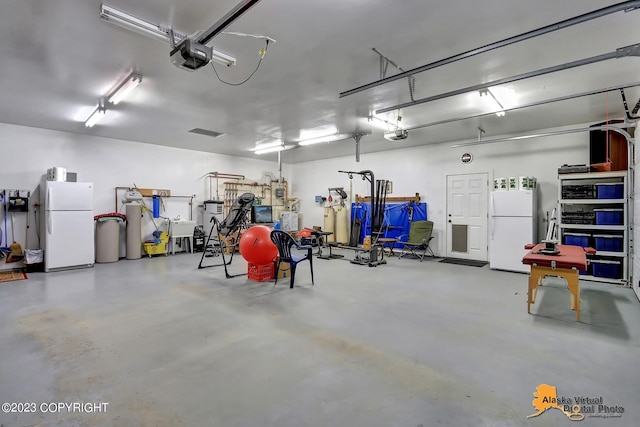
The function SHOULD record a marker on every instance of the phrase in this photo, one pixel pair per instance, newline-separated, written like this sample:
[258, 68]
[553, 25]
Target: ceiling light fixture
[270, 149]
[140, 26]
[356, 136]
[327, 138]
[487, 94]
[265, 145]
[96, 116]
[124, 88]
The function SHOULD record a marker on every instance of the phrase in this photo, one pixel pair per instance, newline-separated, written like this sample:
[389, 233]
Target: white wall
[26, 153]
[424, 169]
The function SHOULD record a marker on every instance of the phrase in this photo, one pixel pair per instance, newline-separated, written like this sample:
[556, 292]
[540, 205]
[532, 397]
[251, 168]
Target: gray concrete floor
[403, 344]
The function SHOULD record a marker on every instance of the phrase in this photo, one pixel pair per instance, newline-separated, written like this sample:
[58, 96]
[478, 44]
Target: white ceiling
[59, 57]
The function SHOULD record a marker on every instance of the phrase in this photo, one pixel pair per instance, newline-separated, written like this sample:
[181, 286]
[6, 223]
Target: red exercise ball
[256, 245]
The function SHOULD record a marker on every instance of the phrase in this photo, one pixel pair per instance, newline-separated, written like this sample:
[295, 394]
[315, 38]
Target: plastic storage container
[260, 273]
[610, 191]
[577, 239]
[107, 240]
[609, 216]
[606, 268]
[606, 242]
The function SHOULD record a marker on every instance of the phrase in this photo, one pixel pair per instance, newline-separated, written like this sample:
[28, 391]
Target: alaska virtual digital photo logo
[575, 407]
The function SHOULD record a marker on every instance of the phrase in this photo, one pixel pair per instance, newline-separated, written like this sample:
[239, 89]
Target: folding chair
[418, 239]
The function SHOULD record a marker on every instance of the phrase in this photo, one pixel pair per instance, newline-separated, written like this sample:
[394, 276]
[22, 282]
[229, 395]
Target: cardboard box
[285, 270]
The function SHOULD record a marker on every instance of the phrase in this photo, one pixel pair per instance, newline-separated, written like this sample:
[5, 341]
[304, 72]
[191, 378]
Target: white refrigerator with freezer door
[68, 225]
[512, 224]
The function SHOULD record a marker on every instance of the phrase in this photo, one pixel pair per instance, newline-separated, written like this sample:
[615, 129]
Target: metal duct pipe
[279, 167]
[624, 6]
[633, 50]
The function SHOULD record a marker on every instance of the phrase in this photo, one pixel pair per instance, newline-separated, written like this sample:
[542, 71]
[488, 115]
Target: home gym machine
[224, 236]
[373, 256]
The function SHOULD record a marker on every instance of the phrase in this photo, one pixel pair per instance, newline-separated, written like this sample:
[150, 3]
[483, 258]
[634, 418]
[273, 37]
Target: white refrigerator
[68, 225]
[513, 224]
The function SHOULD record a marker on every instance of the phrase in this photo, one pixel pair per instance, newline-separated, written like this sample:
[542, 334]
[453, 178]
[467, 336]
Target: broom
[3, 249]
[16, 250]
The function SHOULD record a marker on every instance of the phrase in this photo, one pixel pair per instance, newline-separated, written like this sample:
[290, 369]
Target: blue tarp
[397, 218]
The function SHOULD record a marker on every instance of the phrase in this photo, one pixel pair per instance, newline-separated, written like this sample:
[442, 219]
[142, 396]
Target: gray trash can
[107, 240]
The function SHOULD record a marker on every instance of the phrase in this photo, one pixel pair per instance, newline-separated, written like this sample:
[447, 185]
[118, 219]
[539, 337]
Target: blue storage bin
[610, 191]
[606, 268]
[610, 243]
[609, 216]
[577, 239]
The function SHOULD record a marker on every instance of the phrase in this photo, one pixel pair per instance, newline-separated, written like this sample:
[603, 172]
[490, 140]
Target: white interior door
[467, 219]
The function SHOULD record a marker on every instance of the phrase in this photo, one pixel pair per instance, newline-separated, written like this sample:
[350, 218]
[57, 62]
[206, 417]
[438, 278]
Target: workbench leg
[535, 280]
[573, 284]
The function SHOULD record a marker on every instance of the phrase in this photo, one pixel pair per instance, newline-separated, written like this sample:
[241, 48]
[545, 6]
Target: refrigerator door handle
[49, 223]
[492, 216]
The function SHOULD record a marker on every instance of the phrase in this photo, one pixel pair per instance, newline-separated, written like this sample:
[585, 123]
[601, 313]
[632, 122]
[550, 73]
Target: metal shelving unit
[574, 207]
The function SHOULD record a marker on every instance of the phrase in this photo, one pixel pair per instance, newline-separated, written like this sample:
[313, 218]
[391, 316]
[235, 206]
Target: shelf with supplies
[594, 211]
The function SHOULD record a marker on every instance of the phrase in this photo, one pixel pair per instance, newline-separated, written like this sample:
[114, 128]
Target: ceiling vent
[211, 133]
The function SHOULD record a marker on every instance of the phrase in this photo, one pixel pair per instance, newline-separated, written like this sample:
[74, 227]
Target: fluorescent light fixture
[487, 94]
[334, 137]
[327, 138]
[140, 26]
[96, 116]
[270, 149]
[125, 88]
[265, 145]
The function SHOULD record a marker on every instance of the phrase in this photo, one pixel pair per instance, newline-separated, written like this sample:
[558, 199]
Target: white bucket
[513, 183]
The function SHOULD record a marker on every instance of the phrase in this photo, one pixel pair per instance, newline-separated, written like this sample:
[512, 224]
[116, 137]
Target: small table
[383, 240]
[566, 264]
